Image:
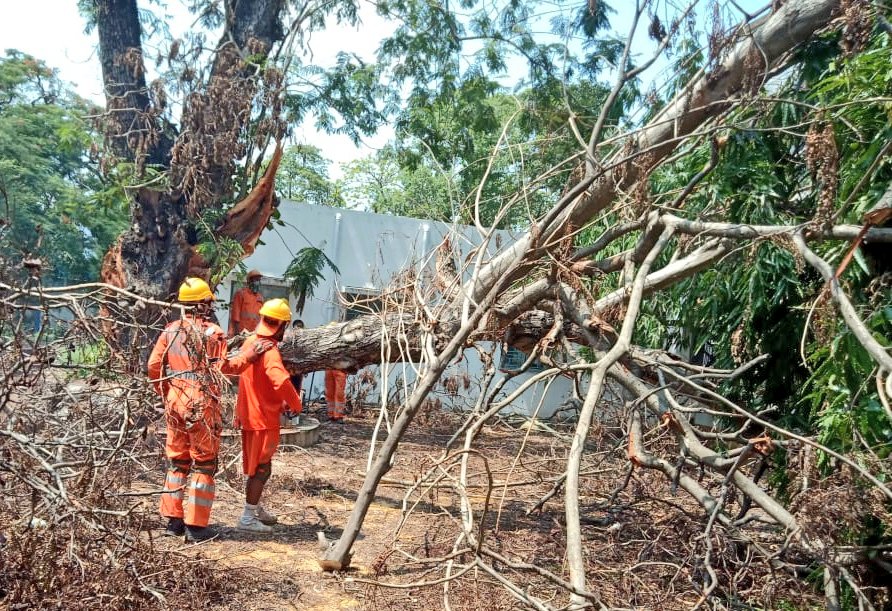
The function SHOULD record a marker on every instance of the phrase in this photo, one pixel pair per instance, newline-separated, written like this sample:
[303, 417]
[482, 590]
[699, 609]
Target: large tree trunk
[158, 250]
[352, 345]
[131, 125]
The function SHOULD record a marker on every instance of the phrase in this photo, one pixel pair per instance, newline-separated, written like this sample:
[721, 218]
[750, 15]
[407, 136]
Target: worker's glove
[260, 346]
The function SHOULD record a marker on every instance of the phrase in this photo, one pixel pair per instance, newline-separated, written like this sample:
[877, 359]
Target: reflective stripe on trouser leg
[176, 448]
[204, 444]
[337, 409]
[172, 502]
[200, 500]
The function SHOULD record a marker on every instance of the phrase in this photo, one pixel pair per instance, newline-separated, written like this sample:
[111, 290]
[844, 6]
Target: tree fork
[158, 250]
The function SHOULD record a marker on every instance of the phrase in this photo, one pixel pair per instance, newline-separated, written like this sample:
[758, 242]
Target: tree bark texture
[352, 345]
[132, 124]
[158, 250]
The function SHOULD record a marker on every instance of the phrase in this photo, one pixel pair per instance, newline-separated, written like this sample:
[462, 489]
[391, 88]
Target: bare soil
[313, 489]
[641, 540]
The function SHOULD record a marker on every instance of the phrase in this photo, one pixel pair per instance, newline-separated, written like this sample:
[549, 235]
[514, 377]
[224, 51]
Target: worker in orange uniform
[336, 394]
[186, 367]
[264, 389]
[245, 312]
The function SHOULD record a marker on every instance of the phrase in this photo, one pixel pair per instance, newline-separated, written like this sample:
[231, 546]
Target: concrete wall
[369, 249]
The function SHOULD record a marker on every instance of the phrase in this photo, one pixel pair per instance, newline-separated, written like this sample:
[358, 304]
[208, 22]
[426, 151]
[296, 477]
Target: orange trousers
[194, 426]
[258, 448]
[336, 393]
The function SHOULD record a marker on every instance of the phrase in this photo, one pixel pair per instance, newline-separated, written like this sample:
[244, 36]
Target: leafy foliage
[465, 142]
[222, 253]
[481, 144]
[759, 300]
[303, 177]
[305, 272]
[49, 181]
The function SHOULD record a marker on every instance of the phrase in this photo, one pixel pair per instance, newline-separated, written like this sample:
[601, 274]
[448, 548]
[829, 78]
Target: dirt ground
[313, 490]
[642, 540]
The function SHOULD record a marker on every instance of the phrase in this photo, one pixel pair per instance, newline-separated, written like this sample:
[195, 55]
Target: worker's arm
[156, 362]
[280, 380]
[236, 362]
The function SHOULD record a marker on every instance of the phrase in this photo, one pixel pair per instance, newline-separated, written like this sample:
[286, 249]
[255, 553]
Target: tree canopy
[54, 204]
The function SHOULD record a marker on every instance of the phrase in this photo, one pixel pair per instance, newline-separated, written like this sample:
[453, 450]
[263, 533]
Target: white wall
[369, 249]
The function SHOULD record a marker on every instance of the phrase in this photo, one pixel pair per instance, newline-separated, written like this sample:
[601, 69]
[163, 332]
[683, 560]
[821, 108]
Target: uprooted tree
[652, 240]
[733, 192]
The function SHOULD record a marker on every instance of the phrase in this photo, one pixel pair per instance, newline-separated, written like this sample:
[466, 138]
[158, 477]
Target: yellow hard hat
[194, 290]
[277, 309]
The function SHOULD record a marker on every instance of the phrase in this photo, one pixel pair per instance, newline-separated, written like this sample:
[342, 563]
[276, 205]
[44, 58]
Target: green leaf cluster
[764, 299]
[303, 177]
[305, 272]
[49, 176]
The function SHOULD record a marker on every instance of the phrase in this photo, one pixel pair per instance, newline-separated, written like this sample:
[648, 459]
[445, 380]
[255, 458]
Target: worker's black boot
[197, 534]
[175, 527]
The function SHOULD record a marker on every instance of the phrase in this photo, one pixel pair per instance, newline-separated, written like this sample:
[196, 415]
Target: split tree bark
[158, 250]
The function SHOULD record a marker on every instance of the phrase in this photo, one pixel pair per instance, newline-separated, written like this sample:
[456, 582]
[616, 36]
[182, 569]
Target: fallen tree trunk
[712, 93]
[353, 345]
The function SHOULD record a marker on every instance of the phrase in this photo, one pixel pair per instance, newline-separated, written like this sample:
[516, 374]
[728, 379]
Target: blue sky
[53, 30]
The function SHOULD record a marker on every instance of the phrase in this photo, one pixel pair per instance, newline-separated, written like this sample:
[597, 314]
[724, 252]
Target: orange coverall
[185, 367]
[336, 393]
[263, 387]
[245, 312]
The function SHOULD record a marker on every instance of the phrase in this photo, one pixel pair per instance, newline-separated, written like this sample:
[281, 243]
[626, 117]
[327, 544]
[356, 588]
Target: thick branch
[670, 274]
[357, 343]
[850, 316]
[575, 559]
[708, 96]
[130, 125]
[749, 232]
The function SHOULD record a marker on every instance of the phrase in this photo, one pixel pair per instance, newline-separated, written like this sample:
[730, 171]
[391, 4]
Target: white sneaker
[266, 517]
[253, 525]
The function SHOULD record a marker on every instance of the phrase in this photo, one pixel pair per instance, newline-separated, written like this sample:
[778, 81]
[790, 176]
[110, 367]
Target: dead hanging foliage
[857, 17]
[213, 134]
[82, 452]
[822, 161]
